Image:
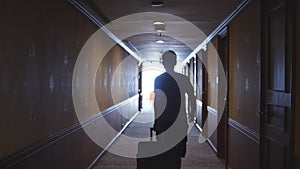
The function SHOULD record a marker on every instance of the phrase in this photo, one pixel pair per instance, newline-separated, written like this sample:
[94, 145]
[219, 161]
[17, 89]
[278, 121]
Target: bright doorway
[148, 83]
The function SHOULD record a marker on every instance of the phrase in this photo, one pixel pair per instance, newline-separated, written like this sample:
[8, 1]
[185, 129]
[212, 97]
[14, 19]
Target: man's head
[169, 60]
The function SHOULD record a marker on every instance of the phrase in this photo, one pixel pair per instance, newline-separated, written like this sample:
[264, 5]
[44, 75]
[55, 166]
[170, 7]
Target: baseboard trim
[30, 150]
[93, 164]
[198, 127]
[212, 146]
[213, 112]
[209, 109]
[208, 140]
[244, 130]
[199, 102]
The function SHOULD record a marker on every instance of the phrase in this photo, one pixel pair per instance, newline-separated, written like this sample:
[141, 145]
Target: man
[170, 104]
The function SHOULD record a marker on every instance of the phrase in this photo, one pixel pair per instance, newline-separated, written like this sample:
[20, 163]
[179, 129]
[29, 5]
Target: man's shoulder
[181, 76]
[163, 75]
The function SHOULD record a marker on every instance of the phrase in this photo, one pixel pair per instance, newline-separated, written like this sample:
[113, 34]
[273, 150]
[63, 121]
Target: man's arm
[191, 102]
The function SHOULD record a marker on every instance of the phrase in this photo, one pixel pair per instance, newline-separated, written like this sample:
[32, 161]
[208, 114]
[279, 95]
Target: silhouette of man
[170, 104]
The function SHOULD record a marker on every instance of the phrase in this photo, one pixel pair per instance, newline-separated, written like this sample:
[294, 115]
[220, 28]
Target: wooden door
[276, 116]
[202, 89]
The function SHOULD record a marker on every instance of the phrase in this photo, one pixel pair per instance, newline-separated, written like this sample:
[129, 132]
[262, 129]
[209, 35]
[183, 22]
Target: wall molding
[214, 148]
[199, 102]
[209, 109]
[244, 130]
[213, 112]
[93, 164]
[232, 123]
[32, 149]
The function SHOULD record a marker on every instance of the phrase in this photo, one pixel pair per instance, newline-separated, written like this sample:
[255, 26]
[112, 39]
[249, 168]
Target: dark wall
[118, 72]
[212, 69]
[116, 81]
[244, 82]
[244, 32]
[40, 41]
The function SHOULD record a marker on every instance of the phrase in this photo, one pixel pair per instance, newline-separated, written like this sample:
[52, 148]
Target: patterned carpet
[199, 156]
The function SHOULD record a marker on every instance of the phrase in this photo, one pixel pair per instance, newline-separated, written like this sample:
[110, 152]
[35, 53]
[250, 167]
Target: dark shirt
[168, 85]
[170, 109]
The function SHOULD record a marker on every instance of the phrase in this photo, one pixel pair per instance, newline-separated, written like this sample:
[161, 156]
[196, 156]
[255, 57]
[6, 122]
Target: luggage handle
[151, 133]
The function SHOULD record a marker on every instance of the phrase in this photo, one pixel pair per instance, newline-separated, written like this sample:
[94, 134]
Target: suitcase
[149, 156]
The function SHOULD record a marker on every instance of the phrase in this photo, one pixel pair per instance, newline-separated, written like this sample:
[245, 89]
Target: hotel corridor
[199, 156]
[76, 77]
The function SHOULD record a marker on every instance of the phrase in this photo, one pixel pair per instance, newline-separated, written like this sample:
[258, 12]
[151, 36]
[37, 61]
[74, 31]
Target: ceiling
[206, 15]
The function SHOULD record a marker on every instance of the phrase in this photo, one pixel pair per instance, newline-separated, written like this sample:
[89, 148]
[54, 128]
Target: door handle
[263, 113]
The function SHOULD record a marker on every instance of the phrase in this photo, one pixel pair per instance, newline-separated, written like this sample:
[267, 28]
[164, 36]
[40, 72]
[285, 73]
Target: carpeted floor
[199, 156]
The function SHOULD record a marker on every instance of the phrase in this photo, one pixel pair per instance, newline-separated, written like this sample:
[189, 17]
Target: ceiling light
[156, 3]
[159, 26]
[158, 23]
[160, 41]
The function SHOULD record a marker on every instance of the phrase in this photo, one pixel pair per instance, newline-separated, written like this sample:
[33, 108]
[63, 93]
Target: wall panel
[244, 88]
[244, 66]
[212, 70]
[40, 43]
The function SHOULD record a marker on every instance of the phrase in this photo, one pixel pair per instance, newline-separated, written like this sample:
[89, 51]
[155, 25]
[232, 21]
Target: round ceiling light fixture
[156, 3]
[159, 26]
[158, 23]
[160, 41]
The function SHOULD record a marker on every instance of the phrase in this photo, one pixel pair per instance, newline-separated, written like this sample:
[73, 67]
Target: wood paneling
[40, 43]
[244, 66]
[244, 88]
[116, 79]
[212, 70]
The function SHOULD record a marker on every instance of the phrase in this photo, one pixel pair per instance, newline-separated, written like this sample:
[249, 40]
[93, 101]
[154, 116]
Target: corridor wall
[40, 42]
[212, 98]
[212, 70]
[244, 94]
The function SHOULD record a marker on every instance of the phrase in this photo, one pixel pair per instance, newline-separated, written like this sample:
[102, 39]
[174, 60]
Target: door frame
[223, 39]
[140, 89]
